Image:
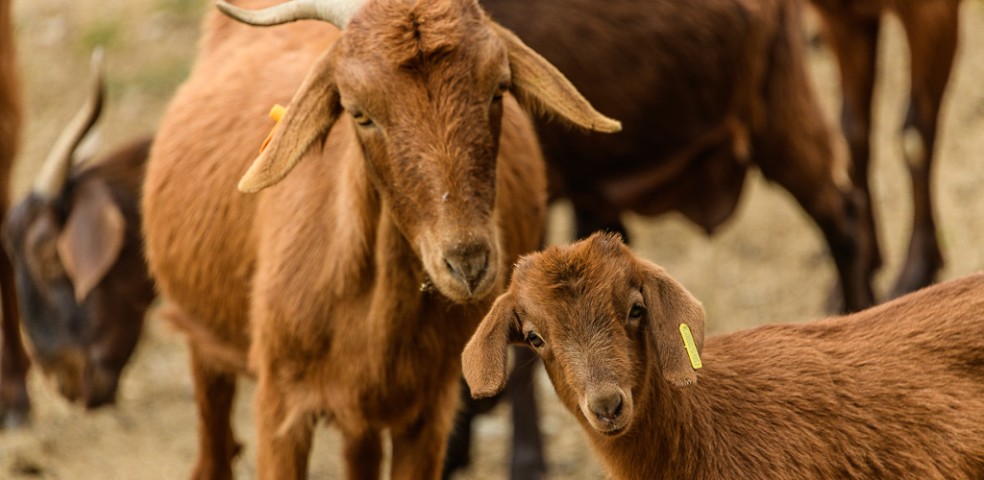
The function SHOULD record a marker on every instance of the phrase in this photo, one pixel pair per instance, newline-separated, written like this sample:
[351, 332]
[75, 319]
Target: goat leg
[932, 33]
[214, 394]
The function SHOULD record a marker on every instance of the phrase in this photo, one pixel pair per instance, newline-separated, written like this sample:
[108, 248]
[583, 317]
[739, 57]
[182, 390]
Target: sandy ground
[767, 264]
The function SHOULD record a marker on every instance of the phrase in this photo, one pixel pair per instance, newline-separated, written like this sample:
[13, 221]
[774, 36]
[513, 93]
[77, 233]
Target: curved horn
[54, 171]
[336, 12]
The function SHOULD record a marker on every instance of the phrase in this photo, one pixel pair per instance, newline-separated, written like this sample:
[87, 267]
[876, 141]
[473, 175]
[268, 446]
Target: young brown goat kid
[349, 287]
[895, 391]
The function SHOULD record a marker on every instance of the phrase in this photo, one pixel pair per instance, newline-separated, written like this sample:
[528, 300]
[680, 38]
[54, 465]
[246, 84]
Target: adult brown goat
[895, 391]
[15, 405]
[76, 244]
[931, 26]
[349, 288]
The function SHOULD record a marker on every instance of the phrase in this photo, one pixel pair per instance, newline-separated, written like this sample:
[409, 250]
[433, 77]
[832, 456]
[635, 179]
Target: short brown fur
[401, 191]
[895, 391]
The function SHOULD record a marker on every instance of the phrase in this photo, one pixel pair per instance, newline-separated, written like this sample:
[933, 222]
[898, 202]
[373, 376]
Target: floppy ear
[92, 238]
[669, 305]
[538, 85]
[483, 362]
[311, 114]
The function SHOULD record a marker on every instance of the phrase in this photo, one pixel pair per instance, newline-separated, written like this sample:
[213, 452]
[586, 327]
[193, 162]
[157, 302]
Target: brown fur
[14, 402]
[82, 280]
[705, 90]
[931, 27]
[896, 391]
[315, 283]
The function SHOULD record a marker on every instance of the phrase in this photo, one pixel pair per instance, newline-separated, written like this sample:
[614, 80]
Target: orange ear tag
[276, 113]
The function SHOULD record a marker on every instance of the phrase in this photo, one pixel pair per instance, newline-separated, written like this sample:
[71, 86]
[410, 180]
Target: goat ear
[311, 114]
[483, 362]
[538, 85]
[669, 305]
[92, 238]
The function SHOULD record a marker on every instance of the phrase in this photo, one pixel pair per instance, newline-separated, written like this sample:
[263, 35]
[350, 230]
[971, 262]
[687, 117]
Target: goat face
[602, 321]
[82, 322]
[427, 114]
[424, 83]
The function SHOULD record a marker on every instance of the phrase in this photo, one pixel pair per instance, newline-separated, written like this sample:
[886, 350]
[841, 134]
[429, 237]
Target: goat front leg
[458, 455]
[363, 452]
[797, 149]
[418, 449]
[931, 28]
[214, 394]
[15, 405]
[527, 461]
[855, 44]
[283, 442]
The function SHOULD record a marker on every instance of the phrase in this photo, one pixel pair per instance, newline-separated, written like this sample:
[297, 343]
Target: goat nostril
[482, 265]
[452, 268]
[617, 411]
[608, 408]
[468, 268]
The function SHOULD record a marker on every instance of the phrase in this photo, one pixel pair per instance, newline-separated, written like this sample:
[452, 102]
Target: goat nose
[468, 264]
[607, 407]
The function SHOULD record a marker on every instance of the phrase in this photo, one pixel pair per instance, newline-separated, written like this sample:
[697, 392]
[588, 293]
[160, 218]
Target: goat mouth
[611, 427]
[612, 430]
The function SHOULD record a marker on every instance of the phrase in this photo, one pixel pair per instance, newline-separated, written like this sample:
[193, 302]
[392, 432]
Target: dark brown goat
[896, 391]
[852, 27]
[349, 287]
[14, 402]
[81, 277]
[704, 90]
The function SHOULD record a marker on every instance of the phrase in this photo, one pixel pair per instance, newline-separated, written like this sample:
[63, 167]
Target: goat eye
[636, 312]
[361, 119]
[534, 339]
[500, 91]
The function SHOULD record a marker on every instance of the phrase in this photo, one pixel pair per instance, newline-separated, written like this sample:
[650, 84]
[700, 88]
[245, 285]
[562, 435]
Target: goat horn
[54, 171]
[336, 12]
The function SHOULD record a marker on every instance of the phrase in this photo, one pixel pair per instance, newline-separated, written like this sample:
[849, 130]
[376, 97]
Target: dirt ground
[768, 263]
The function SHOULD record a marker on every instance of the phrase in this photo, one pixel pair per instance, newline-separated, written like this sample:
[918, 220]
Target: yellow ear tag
[276, 113]
[688, 343]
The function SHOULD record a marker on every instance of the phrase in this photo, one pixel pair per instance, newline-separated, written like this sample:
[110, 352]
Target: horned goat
[404, 182]
[77, 248]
